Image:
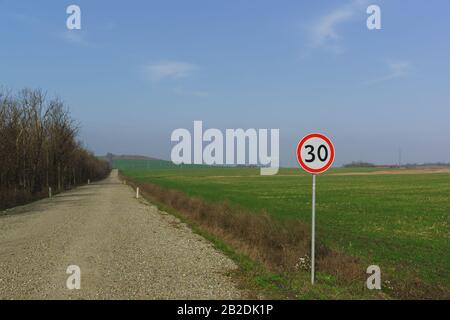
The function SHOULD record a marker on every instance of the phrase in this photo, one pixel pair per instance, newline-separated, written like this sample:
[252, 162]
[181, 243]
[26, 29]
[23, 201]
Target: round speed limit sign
[315, 153]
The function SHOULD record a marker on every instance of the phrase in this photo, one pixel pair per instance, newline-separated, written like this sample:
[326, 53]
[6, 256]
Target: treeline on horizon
[39, 148]
[361, 164]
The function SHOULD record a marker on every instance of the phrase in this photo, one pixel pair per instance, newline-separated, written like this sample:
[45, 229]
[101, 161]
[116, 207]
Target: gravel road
[125, 248]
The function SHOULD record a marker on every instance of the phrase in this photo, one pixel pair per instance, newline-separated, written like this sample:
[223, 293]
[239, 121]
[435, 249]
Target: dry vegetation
[38, 148]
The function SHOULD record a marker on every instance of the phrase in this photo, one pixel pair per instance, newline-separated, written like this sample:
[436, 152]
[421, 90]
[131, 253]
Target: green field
[397, 221]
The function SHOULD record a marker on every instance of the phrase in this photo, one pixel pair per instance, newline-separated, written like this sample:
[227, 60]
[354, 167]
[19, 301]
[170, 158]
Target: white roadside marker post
[137, 193]
[89, 181]
[315, 154]
[50, 192]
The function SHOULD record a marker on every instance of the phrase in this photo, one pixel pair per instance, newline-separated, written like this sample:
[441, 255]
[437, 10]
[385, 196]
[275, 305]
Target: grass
[397, 221]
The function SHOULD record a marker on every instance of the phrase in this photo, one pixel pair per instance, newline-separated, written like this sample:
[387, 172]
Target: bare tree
[39, 148]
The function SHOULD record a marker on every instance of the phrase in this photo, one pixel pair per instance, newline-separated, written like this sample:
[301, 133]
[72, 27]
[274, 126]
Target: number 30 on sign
[315, 153]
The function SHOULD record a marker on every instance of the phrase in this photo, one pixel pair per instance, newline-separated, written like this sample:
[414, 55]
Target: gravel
[125, 248]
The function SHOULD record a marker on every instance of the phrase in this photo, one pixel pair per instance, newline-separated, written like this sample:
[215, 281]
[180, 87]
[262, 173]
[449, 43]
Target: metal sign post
[315, 154]
[313, 229]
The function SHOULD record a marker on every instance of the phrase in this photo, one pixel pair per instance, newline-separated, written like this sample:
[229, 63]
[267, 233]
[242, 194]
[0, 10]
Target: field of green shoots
[397, 221]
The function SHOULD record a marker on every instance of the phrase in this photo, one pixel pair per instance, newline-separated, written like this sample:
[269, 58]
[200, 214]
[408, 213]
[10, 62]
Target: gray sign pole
[313, 228]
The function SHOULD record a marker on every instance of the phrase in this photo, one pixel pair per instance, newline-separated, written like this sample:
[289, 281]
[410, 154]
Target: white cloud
[396, 69]
[325, 29]
[169, 70]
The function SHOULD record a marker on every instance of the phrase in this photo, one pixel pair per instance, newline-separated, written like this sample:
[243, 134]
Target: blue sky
[137, 70]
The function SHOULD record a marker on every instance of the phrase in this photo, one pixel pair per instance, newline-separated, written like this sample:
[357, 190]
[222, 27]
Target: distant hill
[127, 161]
[138, 162]
[127, 157]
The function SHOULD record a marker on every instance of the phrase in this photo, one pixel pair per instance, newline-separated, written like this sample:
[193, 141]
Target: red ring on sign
[299, 148]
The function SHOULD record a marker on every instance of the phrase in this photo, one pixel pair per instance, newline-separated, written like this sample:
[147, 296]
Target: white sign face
[315, 153]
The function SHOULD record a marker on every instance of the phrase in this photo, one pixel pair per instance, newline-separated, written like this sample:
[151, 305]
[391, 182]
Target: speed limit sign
[315, 154]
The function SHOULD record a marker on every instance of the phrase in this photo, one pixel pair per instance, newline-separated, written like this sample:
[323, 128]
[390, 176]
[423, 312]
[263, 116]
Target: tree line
[39, 148]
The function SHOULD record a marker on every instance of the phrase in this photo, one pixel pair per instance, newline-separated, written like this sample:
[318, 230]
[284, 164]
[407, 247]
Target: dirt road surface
[125, 248]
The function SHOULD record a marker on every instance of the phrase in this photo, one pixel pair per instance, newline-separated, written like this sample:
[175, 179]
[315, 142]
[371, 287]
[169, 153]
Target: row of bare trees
[39, 148]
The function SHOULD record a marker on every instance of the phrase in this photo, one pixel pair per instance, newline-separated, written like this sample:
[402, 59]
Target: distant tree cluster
[359, 164]
[427, 164]
[39, 148]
